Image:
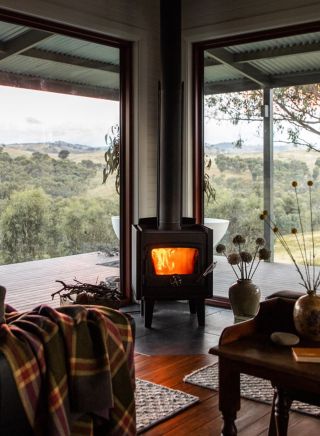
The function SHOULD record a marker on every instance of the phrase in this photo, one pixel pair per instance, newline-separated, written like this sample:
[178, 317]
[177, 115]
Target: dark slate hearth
[175, 331]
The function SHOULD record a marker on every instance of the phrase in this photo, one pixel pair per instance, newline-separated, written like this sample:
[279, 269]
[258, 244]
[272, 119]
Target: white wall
[135, 20]
[210, 19]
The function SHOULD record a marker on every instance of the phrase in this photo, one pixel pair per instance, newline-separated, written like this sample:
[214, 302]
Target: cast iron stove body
[169, 265]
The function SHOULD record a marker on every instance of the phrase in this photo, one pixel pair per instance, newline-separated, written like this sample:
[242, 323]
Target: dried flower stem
[312, 237]
[254, 258]
[224, 253]
[305, 260]
[317, 282]
[243, 265]
[283, 242]
[242, 260]
[258, 263]
[304, 263]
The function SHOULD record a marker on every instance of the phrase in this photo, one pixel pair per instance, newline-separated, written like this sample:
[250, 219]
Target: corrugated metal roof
[10, 31]
[276, 43]
[280, 62]
[217, 73]
[80, 48]
[69, 73]
[289, 64]
[280, 66]
[76, 52]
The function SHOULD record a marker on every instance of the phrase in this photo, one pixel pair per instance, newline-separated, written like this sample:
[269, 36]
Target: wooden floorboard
[31, 283]
[203, 419]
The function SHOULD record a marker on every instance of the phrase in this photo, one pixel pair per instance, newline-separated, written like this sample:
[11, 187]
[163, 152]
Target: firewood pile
[106, 293]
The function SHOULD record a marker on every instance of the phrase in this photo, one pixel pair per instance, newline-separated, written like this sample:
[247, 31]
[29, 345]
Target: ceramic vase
[244, 298]
[306, 316]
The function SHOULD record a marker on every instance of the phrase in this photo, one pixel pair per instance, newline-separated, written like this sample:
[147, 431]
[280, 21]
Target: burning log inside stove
[174, 260]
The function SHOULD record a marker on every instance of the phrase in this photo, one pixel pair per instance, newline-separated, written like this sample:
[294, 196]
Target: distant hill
[221, 146]
[53, 147]
[229, 147]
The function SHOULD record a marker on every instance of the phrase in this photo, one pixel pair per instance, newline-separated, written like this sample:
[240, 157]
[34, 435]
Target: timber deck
[32, 283]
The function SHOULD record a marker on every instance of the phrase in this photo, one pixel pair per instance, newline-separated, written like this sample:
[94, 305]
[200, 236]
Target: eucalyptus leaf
[112, 156]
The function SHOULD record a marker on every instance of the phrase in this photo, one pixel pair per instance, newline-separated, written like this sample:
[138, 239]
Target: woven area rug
[156, 403]
[252, 388]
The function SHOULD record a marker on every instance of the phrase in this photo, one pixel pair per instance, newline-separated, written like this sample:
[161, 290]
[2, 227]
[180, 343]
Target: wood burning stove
[171, 265]
[170, 254]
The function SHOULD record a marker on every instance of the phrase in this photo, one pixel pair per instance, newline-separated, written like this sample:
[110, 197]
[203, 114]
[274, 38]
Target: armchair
[66, 370]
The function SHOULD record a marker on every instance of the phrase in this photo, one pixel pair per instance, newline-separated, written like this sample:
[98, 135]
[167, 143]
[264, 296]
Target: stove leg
[148, 312]
[193, 306]
[200, 312]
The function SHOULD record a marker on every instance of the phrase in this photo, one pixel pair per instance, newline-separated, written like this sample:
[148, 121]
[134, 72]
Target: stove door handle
[207, 271]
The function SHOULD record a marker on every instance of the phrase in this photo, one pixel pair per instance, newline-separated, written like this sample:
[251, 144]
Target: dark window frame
[198, 49]
[126, 124]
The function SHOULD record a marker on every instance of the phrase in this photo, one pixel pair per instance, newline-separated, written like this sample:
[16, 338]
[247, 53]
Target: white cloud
[37, 116]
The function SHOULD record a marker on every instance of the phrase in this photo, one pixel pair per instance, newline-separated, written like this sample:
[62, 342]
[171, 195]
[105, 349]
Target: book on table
[306, 354]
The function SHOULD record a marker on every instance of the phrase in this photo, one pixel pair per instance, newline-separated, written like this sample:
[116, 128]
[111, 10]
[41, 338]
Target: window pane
[296, 158]
[234, 161]
[52, 158]
[59, 110]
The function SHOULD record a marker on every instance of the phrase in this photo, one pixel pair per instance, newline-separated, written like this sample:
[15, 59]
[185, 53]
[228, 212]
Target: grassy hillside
[95, 188]
[53, 207]
[280, 254]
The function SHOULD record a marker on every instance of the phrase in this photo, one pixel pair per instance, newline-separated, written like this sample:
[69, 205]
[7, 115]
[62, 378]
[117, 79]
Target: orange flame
[172, 260]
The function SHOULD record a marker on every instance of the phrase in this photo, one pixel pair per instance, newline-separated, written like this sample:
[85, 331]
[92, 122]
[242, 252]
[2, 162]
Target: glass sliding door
[233, 165]
[257, 129]
[59, 111]
[296, 158]
[60, 167]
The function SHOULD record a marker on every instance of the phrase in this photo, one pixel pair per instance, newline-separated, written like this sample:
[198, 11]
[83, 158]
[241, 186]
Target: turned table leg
[229, 396]
[282, 403]
[272, 425]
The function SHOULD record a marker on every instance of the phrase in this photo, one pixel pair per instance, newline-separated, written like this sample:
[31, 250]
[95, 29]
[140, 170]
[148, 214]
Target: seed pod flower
[220, 248]
[260, 242]
[246, 256]
[264, 254]
[234, 258]
[238, 239]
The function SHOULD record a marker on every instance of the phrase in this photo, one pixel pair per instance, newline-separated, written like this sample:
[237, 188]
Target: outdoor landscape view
[234, 162]
[52, 200]
[52, 156]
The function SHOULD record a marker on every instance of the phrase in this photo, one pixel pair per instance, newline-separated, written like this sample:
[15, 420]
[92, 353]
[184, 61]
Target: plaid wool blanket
[73, 367]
